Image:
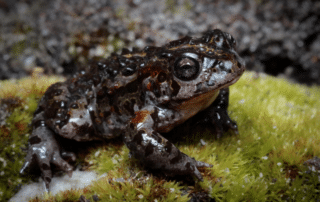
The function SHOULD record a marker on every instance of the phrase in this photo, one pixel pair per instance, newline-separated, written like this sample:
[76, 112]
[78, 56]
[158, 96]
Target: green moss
[278, 125]
[22, 97]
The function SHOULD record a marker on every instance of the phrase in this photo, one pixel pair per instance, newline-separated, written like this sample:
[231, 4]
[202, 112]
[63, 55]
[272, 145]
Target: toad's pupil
[188, 70]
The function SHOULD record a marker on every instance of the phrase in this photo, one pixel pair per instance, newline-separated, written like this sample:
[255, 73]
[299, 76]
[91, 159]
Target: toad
[139, 95]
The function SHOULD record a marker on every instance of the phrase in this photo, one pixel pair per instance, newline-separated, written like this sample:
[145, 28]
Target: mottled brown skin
[138, 95]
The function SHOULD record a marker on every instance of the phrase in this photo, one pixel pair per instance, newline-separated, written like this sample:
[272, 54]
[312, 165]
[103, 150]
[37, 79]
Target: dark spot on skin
[175, 87]
[52, 109]
[165, 55]
[62, 123]
[138, 137]
[101, 65]
[173, 116]
[226, 44]
[76, 97]
[95, 198]
[217, 38]
[122, 62]
[118, 119]
[176, 159]
[149, 149]
[128, 71]
[133, 102]
[102, 93]
[214, 70]
[135, 50]
[129, 107]
[125, 51]
[155, 116]
[162, 77]
[92, 115]
[96, 80]
[199, 87]
[57, 92]
[39, 123]
[114, 54]
[142, 96]
[156, 91]
[45, 166]
[74, 106]
[131, 126]
[48, 179]
[156, 137]
[83, 129]
[133, 87]
[188, 166]
[238, 64]
[34, 140]
[116, 109]
[90, 100]
[67, 117]
[106, 114]
[168, 147]
[39, 109]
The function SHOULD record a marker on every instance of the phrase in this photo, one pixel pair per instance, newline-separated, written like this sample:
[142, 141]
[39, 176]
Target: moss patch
[279, 131]
[18, 101]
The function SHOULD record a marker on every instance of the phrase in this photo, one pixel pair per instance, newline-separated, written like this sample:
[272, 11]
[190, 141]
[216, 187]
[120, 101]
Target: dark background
[278, 37]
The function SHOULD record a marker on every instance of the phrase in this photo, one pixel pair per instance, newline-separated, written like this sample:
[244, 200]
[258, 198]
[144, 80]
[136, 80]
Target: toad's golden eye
[186, 68]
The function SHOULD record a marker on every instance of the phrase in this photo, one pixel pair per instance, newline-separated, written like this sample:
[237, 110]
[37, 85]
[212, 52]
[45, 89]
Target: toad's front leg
[216, 115]
[155, 151]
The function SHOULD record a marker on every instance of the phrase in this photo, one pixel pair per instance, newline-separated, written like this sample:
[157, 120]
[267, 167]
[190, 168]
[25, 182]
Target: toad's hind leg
[44, 150]
[43, 147]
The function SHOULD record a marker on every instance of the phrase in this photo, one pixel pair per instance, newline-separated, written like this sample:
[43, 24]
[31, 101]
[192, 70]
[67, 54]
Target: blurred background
[280, 38]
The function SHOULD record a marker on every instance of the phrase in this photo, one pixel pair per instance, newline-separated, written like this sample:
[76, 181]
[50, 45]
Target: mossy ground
[279, 131]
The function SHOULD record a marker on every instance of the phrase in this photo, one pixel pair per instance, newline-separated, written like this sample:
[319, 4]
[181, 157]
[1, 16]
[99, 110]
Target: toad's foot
[44, 150]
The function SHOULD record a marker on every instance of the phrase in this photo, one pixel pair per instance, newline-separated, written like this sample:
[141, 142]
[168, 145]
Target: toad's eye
[186, 68]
